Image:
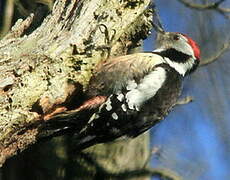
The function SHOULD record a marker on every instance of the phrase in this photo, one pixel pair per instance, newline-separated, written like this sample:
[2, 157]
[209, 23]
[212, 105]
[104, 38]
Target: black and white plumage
[129, 94]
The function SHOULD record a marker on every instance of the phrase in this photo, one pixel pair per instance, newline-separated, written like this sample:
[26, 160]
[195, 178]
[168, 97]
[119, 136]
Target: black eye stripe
[174, 55]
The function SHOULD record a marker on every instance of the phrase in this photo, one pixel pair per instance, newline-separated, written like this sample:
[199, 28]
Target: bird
[129, 94]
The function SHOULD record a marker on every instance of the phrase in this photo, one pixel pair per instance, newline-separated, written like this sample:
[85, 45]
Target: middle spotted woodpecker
[129, 94]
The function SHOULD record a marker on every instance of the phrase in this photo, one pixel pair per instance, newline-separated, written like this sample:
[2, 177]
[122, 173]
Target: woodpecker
[127, 95]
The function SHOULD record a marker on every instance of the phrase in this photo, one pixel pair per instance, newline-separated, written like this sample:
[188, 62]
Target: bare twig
[154, 151]
[157, 24]
[207, 61]
[156, 172]
[211, 6]
[23, 11]
[8, 15]
[215, 57]
[48, 3]
[185, 100]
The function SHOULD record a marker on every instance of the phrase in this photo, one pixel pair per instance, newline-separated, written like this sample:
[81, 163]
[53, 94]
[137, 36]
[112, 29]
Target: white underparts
[146, 89]
[181, 68]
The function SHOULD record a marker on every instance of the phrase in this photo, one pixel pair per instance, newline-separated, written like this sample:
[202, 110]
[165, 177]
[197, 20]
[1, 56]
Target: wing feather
[111, 76]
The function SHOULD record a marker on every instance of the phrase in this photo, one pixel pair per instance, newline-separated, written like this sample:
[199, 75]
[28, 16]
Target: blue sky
[193, 139]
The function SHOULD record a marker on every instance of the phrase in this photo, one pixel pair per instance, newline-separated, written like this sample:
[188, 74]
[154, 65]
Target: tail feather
[64, 124]
[84, 141]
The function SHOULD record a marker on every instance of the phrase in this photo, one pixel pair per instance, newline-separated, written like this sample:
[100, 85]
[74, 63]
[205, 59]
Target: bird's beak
[160, 33]
[161, 36]
[159, 29]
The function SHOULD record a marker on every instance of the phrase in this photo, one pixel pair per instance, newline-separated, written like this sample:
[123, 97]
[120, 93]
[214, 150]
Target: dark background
[194, 140]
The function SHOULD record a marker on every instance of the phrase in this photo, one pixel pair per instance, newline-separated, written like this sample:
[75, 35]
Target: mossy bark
[45, 69]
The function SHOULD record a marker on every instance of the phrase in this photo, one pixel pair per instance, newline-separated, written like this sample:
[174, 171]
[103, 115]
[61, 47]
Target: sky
[194, 139]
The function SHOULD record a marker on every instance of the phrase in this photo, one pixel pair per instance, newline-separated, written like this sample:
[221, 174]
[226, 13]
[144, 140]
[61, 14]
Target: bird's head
[179, 42]
[180, 49]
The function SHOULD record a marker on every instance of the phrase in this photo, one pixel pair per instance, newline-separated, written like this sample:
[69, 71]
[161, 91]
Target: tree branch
[8, 16]
[212, 6]
[156, 172]
[157, 24]
[185, 100]
[218, 54]
[205, 62]
[41, 72]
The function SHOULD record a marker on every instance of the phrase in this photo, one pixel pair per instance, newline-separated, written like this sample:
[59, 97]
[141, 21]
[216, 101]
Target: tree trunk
[43, 71]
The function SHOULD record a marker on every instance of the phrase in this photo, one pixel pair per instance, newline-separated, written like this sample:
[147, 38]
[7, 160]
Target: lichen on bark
[42, 70]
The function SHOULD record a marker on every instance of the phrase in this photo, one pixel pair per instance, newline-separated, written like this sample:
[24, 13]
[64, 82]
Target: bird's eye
[176, 37]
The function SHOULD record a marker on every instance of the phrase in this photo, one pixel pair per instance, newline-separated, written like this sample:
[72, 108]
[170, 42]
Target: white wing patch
[147, 88]
[131, 85]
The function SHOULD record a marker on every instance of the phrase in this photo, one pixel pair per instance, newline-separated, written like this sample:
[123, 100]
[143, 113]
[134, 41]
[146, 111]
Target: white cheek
[183, 46]
[181, 68]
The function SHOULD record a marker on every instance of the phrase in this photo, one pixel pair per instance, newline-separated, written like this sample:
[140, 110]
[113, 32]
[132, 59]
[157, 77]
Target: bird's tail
[75, 123]
[64, 124]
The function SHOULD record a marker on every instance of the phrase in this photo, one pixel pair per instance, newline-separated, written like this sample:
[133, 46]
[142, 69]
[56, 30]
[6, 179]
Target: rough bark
[46, 69]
